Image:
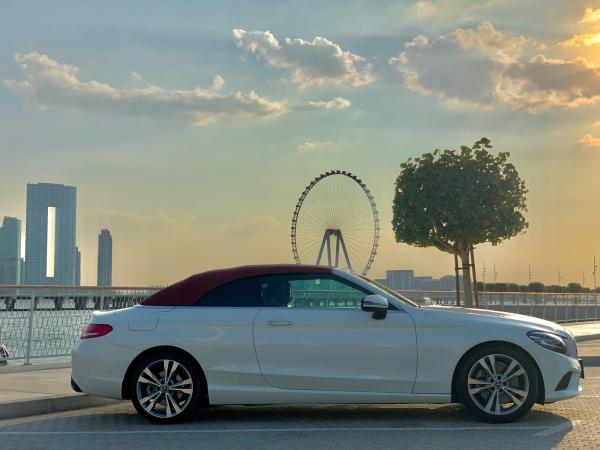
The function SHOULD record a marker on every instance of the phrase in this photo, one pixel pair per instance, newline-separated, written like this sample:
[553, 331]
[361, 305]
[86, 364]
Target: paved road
[570, 424]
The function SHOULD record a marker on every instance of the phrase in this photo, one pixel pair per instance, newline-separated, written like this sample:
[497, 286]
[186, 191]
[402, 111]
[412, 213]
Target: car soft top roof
[186, 292]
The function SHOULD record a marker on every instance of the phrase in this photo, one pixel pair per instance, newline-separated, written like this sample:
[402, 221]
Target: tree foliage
[536, 286]
[454, 199]
[450, 199]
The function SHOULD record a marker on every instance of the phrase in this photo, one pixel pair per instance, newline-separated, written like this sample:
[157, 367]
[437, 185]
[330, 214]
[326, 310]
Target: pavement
[39, 389]
[585, 331]
[56, 414]
[569, 424]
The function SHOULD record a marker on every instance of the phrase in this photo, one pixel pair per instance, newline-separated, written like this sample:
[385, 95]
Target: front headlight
[549, 340]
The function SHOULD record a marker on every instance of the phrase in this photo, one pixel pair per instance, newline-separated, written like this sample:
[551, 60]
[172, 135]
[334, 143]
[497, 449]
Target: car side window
[309, 291]
[240, 293]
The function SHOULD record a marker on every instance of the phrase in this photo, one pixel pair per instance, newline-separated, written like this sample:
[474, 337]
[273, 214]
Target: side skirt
[228, 395]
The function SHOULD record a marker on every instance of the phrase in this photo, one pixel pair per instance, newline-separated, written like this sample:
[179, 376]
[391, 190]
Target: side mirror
[377, 304]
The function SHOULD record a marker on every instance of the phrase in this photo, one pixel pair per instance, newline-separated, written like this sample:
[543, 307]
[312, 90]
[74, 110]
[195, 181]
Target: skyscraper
[50, 256]
[104, 258]
[10, 251]
[77, 267]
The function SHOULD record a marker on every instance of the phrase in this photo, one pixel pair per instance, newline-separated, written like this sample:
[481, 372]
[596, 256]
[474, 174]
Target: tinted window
[238, 293]
[309, 291]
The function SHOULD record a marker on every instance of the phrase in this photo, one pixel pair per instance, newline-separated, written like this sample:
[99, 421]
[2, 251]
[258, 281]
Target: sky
[191, 128]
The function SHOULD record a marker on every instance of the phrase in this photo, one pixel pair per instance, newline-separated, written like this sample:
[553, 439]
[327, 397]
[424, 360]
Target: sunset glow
[191, 135]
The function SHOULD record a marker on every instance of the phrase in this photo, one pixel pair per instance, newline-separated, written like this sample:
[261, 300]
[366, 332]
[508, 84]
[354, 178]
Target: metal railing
[40, 322]
[556, 307]
[44, 322]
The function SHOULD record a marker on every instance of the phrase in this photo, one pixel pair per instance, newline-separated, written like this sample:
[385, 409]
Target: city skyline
[191, 135]
[104, 255]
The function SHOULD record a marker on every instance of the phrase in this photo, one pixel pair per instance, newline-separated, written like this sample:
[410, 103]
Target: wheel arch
[541, 394]
[125, 394]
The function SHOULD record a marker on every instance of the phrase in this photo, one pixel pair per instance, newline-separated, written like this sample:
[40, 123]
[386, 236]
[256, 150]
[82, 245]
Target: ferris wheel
[335, 223]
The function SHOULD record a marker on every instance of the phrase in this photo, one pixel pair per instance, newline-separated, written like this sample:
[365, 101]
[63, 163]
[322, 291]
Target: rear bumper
[99, 367]
[74, 386]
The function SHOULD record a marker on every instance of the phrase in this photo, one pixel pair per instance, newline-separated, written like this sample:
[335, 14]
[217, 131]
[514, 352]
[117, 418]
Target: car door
[217, 331]
[314, 335]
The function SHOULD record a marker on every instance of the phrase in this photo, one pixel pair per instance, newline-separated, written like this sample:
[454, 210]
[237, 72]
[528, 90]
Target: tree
[536, 286]
[554, 288]
[574, 287]
[513, 287]
[455, 199]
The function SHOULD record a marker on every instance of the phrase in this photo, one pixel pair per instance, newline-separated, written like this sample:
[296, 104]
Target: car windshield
[388, 290]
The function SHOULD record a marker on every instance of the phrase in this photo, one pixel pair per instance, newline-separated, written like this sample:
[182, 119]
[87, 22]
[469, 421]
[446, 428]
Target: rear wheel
[498, 383]
[165, 387]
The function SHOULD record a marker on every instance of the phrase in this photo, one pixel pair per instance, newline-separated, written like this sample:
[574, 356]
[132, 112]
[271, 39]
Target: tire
[170, 400]
[501, 392]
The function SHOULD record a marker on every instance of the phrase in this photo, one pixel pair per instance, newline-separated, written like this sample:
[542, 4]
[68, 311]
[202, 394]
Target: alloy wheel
[498, 384]
[164, 388]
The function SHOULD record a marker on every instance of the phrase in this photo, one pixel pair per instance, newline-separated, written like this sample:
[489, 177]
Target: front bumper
[553, 367]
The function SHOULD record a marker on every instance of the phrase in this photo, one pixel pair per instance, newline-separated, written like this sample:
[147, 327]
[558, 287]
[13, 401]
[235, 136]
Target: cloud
[52, 84]
[486, 40]
[334, 103]
[540, 83]
[591, 15]
[590, 141]
[483, 68]
[253, 227]
[136, 76]
[312, 145]
[423, 9]
[311, 63]
[582, 40]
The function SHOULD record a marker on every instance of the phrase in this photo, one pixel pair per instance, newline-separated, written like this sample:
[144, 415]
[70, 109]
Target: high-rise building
[104, 258]
[10, 251]
[50, 256]
[399, 279]
[77, 267]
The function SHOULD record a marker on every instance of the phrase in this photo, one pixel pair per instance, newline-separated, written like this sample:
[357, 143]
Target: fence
[563, 307]
[38, 322]
[44, 322]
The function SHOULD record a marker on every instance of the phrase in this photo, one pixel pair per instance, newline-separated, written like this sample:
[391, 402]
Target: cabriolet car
[296, 334]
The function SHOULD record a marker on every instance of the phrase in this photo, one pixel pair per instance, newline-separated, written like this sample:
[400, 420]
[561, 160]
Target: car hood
[489, 315]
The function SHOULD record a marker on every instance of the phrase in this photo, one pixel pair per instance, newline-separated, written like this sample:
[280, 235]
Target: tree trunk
[467, 285]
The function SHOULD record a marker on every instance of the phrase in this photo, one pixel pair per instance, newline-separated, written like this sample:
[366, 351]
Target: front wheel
[165, 388]
[498, 383]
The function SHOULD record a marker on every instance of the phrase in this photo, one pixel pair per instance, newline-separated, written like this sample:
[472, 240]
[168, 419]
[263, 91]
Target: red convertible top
[187, 292]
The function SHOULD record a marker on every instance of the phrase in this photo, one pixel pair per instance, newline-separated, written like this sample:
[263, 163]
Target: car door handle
[279, 323]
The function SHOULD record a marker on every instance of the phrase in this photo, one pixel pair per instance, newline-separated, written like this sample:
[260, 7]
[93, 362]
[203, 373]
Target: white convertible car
[312, 334]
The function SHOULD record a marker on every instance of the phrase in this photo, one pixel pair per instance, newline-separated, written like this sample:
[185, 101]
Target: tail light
[95, 330]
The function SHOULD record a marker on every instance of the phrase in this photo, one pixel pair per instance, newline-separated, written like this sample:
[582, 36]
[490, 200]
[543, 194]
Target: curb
[46, 405]
[33, 367]
[587, 337]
